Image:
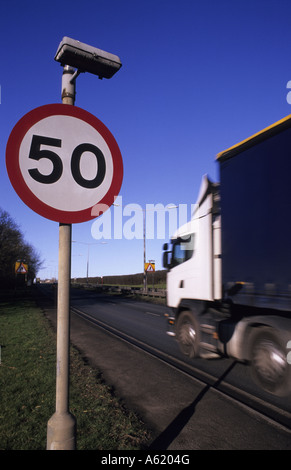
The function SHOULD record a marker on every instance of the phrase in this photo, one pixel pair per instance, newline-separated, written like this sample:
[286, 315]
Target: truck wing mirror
[165, 260]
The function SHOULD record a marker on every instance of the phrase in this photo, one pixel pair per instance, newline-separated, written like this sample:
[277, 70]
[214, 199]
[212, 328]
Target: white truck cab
[196, 252]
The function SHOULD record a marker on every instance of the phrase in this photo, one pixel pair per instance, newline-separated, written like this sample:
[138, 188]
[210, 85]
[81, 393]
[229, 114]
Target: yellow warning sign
[21, 268]
[149, 267]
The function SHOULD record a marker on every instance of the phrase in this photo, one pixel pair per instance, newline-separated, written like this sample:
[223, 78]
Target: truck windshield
[183, 249]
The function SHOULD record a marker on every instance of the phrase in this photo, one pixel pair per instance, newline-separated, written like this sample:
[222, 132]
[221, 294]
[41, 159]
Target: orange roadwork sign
[149, 267]
[21, 268]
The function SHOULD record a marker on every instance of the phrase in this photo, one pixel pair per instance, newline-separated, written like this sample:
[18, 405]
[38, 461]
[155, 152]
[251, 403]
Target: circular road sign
[64, 163]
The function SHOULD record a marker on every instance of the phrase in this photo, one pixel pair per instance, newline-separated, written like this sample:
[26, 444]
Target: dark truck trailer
[229, 268]
[255, 192]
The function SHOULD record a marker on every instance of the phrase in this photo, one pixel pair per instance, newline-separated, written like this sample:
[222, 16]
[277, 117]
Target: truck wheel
[188, 334]
[269, 365]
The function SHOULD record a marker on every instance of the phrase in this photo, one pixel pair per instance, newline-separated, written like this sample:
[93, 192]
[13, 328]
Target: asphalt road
[183, 412]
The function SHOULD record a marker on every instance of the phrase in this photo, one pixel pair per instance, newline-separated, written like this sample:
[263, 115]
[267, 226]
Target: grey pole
[61, 428]
[144, 252]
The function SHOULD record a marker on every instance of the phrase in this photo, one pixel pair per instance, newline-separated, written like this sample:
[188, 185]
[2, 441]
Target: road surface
[197, 404]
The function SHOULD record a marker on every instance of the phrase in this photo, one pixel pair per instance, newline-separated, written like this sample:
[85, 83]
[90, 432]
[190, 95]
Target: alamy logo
[289, 353]
[154, 222]
[288, 97]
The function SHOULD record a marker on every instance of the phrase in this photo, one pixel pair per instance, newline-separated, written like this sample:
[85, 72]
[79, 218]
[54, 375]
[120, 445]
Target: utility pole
[144, 252]
[61, 428]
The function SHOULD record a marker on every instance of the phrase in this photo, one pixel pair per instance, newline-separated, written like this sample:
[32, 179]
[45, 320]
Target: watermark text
[131, 221]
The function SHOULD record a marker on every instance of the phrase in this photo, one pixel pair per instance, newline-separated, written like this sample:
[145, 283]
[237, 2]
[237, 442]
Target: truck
[229, 267]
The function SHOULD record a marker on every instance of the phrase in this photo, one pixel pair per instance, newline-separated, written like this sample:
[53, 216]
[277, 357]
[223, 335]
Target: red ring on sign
[28, 197]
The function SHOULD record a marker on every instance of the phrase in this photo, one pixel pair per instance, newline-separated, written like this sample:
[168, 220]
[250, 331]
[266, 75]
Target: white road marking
[154, 314]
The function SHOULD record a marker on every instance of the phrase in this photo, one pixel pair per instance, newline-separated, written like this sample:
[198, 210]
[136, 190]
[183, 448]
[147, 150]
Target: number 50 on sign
[62, 161]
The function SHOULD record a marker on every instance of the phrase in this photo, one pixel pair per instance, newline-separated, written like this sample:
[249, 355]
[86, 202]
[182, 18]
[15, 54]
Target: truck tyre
[269, 365]
[188, 334]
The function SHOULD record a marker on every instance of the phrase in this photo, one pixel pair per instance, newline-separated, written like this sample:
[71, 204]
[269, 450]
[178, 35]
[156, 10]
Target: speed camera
[86, 58]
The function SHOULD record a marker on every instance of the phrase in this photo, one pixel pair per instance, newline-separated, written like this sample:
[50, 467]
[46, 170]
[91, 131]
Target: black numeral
[36, 153]
[75, 166]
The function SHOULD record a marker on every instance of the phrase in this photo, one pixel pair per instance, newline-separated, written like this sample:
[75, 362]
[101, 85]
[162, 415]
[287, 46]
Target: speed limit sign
[62, 162]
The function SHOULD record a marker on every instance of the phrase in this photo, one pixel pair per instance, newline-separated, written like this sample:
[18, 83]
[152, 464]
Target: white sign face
[62, 162]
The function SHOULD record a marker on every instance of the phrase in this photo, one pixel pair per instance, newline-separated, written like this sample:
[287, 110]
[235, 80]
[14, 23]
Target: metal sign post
[61, 428]
[43, 161]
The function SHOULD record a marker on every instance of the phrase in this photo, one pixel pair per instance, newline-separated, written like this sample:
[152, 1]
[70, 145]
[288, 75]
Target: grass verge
[27, 389]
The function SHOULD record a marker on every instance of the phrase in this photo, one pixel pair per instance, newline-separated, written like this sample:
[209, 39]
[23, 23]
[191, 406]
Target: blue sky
[197, 77]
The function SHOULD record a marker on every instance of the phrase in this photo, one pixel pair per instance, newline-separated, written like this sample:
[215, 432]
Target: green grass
[27, 389]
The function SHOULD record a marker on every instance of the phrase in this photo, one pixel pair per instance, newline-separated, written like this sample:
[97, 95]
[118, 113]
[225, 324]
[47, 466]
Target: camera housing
[87, 58]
